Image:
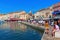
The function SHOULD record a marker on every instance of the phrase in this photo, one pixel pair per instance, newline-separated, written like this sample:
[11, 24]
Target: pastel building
[24, 16]
[18, 16]
[56, 10]
[44, 13]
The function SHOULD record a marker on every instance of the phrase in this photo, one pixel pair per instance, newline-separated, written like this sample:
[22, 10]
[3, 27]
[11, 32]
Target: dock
[35, 26]
[45, 36]
[49, 36]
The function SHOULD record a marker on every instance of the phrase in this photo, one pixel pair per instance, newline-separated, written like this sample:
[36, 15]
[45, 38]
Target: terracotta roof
[56, 5]
[1, 14]
[22, 13]
[44, 9]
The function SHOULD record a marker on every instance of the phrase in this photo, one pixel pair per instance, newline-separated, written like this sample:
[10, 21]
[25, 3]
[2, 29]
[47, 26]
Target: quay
[35, 26]
[45, 36]
[49, 36]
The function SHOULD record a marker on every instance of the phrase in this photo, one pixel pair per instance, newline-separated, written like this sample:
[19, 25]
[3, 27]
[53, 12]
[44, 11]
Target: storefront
[56, 15]
[56, 11]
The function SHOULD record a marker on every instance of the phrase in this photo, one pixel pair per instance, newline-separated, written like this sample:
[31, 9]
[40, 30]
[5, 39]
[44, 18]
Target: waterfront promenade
[34, 25]
[49, 36]
[45, 36]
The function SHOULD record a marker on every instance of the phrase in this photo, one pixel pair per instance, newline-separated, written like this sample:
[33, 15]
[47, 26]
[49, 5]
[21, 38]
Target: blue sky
[7, 6]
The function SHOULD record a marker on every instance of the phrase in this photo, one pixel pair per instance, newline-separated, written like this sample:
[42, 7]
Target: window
[50, 16]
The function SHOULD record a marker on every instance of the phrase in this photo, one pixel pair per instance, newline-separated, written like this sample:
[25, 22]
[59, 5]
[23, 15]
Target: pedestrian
[46, 27]
[52, 23]
[55, 28]
[59, 23]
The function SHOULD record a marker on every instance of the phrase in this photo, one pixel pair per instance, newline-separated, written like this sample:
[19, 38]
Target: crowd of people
[55, 27]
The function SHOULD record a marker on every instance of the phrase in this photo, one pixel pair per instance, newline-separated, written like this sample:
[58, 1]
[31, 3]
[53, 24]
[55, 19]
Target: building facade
[44, 13]
[56, 11]
[24, 16]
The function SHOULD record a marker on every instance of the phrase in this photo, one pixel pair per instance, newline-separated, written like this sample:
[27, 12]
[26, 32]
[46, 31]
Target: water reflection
[18, 31]
[17, 26]
[13, 26]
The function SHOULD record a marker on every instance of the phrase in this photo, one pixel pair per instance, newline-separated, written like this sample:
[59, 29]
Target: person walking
[46, 27]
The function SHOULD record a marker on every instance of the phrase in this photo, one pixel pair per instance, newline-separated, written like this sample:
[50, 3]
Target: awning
[57, 17]
[47, 18]
[55, 12]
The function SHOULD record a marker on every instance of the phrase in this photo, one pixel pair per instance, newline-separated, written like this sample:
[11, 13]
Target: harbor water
[18, 31]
